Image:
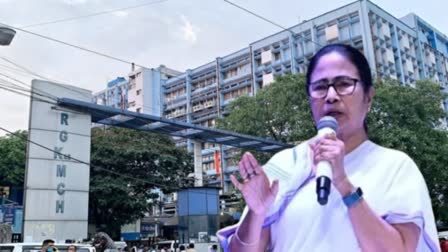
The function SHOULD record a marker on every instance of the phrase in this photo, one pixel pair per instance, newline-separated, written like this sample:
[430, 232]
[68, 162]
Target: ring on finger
[251, 175]
[248, 177]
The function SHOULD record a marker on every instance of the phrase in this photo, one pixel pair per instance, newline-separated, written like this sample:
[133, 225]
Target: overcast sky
[180, 34]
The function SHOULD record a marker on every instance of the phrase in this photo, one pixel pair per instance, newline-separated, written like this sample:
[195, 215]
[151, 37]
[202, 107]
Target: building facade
[406, 49]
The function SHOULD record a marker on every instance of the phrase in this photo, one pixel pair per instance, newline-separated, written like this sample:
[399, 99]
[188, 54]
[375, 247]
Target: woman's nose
[332, 95]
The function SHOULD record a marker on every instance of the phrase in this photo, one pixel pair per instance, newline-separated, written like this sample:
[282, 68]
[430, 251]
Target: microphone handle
[324, 175]
[323, 186]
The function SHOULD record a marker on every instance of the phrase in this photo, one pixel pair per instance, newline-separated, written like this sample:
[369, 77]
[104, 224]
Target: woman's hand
[331, 149]
[256, 189]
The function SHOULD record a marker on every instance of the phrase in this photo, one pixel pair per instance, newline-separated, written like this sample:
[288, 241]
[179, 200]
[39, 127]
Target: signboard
[56, 185]
[149, 229]
[8, 214]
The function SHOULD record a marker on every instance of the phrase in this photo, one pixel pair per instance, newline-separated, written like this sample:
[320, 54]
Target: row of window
[239, 71]
[204, 104]
[237, 93]
[203, 83]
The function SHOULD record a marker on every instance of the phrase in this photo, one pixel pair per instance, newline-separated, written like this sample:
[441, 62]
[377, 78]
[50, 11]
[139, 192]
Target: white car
[36, 247]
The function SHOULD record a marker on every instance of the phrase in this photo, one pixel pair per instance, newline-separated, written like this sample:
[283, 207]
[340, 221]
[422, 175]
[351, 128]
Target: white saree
[392, 184]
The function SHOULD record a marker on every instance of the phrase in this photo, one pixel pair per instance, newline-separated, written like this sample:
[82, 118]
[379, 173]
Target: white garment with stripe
[392, 184]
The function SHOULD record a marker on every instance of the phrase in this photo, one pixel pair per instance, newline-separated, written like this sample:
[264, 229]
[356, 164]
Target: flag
[217, 157]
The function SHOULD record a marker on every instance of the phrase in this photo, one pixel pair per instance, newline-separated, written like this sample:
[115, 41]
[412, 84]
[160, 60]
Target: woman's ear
[369, 97]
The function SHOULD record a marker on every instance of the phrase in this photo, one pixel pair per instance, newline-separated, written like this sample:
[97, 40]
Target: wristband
[353, 198]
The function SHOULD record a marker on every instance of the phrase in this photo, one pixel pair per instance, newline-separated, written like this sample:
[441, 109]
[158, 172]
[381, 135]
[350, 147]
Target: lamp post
[6, 35]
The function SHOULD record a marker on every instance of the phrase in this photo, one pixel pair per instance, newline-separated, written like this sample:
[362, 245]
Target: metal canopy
[133, 120]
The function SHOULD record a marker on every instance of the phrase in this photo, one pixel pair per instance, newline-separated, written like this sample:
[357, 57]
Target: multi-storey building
[406, 49]
[140, 92]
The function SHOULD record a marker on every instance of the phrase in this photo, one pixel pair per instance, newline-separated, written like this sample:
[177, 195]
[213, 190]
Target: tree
[140, 157]
[402, 117]
[280, 112]
[409, 119]
[13, 159]
[139, 161]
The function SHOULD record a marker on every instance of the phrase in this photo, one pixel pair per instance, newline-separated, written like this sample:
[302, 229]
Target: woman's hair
[352, 55]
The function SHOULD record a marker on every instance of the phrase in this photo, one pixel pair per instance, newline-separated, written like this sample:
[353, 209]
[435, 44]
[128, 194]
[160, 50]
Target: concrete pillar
[197, 148]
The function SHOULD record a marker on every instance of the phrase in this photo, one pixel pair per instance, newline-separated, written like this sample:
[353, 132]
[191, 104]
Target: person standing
[48, 245]
[379, 200]
[191, 248]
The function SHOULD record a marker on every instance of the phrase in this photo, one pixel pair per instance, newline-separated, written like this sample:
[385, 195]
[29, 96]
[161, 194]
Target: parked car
[120, 245]
[171, 245]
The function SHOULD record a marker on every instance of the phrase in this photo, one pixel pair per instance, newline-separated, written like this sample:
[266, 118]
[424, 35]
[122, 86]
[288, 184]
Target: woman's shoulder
[290, 155]
[288, 163]
[389, 154]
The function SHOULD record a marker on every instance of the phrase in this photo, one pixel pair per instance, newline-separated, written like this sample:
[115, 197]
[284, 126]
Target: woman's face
[349, 110]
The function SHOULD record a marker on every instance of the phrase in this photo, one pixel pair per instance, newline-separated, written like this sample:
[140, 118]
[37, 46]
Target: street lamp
[6, 35]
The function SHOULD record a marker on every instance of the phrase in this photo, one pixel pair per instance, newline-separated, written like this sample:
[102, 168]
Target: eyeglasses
[342, 84]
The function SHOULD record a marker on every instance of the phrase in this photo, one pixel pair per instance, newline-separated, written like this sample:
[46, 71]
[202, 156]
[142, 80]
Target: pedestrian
[444, 244]
[48, 246]
[379, 200]
[71, 248]
[191, 248]
[182, 248]
[214, 248]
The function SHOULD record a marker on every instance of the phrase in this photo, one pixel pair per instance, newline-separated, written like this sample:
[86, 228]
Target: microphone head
[328, 122]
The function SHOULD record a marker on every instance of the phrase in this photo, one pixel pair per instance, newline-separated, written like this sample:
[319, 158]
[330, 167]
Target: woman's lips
[334, 114]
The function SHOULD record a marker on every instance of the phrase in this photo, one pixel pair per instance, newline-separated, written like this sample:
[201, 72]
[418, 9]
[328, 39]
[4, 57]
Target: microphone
[324, 174]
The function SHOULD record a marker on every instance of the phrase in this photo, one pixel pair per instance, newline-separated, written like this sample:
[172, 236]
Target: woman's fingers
[242, 168]
[248, 165]
[331, 136]
[235, 182]
[254, 164]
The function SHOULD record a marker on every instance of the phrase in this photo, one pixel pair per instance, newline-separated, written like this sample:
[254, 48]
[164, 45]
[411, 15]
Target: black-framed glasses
[342, 84]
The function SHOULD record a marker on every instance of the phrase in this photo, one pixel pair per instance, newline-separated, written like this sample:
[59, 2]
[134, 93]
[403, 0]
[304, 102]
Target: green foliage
[12, 159]
[145, 160]
[408, 119]
[280, 112]
[142, 156]
[403, 118]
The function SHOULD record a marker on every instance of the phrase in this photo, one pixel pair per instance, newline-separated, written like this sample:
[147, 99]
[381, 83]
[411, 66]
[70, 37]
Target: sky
[181, 34]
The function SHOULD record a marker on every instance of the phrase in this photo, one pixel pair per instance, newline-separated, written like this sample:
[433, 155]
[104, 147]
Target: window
[231, 73]
[266, 57]
[244, 69]
[268, 79]
[139, 92]
[236, 93]
[139, 110]
[332, 32]
[276, 56]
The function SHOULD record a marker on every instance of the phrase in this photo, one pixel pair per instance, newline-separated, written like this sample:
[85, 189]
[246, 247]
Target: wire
[73, 46]
[86, 163]
[93, 14]
[95, 166]
[269, 21]
[43, 77]
[22, 67]
[80, 161]
[24, 93]
[15, 70]
[36, 91]
[258, 16]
